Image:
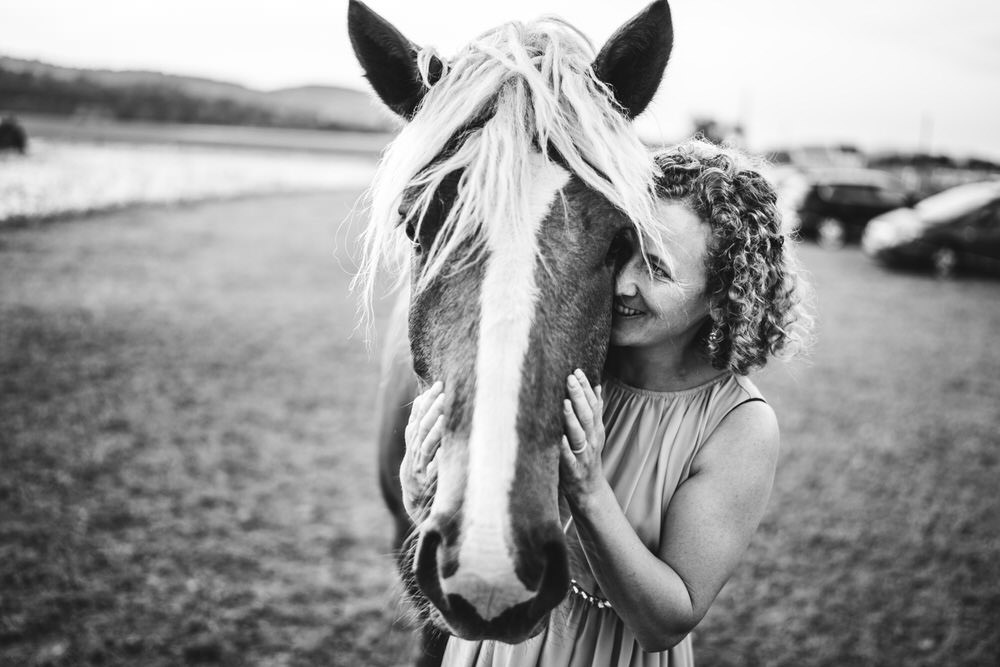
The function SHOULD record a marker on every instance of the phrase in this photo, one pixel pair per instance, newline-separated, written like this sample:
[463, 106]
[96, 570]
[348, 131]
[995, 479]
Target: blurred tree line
[25, 91]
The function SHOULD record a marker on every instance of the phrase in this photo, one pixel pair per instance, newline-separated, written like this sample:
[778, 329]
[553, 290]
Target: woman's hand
[580, 471]
[418, 471]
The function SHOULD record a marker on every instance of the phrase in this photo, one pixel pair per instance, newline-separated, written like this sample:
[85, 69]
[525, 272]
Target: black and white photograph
[385, 333]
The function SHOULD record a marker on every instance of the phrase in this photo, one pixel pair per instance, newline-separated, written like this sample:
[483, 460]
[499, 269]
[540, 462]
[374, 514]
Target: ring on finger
[578, 450]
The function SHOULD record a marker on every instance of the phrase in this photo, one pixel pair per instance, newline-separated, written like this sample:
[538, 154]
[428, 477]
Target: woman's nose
[625, 282]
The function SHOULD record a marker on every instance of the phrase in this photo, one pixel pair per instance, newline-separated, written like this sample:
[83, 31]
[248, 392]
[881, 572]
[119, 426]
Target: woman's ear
[634, 58]
[389, 60]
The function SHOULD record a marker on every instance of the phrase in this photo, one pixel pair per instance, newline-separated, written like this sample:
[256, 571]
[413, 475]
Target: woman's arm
[661, 597]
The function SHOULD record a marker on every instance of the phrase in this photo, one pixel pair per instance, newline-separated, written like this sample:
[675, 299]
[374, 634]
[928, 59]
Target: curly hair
[758, 299]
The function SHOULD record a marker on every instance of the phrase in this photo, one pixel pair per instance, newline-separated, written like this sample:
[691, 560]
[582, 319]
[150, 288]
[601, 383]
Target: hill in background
[33, 86]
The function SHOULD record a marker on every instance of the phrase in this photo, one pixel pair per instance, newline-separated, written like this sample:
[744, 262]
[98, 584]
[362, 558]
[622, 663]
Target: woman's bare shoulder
[746, 439]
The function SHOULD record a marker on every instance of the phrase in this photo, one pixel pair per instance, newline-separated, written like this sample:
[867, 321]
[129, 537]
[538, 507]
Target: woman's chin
[623, 335]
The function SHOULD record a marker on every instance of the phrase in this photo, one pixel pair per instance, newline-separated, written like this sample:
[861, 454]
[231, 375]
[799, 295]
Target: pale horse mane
[515, 90]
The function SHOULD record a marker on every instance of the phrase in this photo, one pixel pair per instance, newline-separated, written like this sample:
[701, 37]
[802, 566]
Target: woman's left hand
[580, 471]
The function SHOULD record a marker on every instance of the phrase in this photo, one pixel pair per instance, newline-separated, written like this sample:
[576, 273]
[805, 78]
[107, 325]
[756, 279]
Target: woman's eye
[660, 272]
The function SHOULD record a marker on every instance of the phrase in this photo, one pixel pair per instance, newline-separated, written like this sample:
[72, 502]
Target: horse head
[507, 198]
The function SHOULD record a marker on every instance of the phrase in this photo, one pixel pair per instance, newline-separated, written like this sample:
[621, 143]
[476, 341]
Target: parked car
[838, 203]
[12, 135]
[955, 229]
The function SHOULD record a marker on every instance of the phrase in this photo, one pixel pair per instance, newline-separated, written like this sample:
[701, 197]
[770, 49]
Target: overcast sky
[907, 74]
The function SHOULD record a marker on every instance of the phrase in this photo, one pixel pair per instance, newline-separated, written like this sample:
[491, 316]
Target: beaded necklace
[578, 590]
[592, 600]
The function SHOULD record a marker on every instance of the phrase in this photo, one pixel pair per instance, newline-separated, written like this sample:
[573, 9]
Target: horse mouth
[455, 615]
[515, 625]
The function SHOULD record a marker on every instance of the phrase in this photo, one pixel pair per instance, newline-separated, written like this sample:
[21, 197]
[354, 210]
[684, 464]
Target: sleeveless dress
[651, 440]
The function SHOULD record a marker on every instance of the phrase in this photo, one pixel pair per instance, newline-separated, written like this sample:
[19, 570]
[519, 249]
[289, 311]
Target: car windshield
[957, 201]
[861, 195]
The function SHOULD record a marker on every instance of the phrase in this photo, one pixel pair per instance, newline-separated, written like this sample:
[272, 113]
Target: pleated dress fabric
[651, 440]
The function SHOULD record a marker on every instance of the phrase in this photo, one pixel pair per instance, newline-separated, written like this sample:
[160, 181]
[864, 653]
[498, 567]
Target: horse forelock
[516, 90]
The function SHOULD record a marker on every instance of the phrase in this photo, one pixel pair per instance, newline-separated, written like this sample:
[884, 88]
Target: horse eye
[411, 232]
[619, 250]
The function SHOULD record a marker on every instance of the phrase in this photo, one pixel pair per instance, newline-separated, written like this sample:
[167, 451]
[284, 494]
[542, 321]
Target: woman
[666, 468]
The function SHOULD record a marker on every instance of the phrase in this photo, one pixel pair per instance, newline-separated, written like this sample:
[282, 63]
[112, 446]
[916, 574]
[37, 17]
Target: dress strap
[754, 399]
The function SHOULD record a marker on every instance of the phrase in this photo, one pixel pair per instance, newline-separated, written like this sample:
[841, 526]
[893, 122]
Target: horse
[504, 207]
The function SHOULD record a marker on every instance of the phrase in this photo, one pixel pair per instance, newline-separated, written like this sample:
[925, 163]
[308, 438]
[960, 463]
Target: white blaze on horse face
[486, 575]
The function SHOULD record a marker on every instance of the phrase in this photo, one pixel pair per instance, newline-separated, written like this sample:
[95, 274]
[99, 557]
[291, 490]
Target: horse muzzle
[484, 592]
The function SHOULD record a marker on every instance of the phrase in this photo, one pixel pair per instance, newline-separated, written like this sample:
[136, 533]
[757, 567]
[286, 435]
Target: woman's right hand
[418, 472]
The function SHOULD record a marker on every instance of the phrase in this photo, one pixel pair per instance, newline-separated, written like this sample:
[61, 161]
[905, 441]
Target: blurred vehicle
[955, 229]
[12, 135]
[790, 186]
[818, 156]
[837, 203]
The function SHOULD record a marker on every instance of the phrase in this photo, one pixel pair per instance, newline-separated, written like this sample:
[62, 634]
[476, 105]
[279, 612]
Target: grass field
[187, 477]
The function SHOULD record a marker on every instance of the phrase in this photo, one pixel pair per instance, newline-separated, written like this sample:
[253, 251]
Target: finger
[575, 432]
[579, 399]
[435, 410]
[432, 442]
[414, 417]
[427, 397]
[566, 451]
[587, 390]
[409, 433]
[416, 414]
[419, 406]
[409, 476]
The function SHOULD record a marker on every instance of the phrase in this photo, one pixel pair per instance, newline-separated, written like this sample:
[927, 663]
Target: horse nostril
[555, 577]
[425, 568]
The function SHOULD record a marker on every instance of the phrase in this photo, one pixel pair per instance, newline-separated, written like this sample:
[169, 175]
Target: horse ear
[634, 58]
[388, 58]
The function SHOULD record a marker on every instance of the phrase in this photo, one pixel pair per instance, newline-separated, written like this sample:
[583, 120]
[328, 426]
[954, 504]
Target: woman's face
[663, 307]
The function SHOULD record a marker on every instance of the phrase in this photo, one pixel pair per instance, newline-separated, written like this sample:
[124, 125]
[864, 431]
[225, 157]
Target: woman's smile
[624, 311]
